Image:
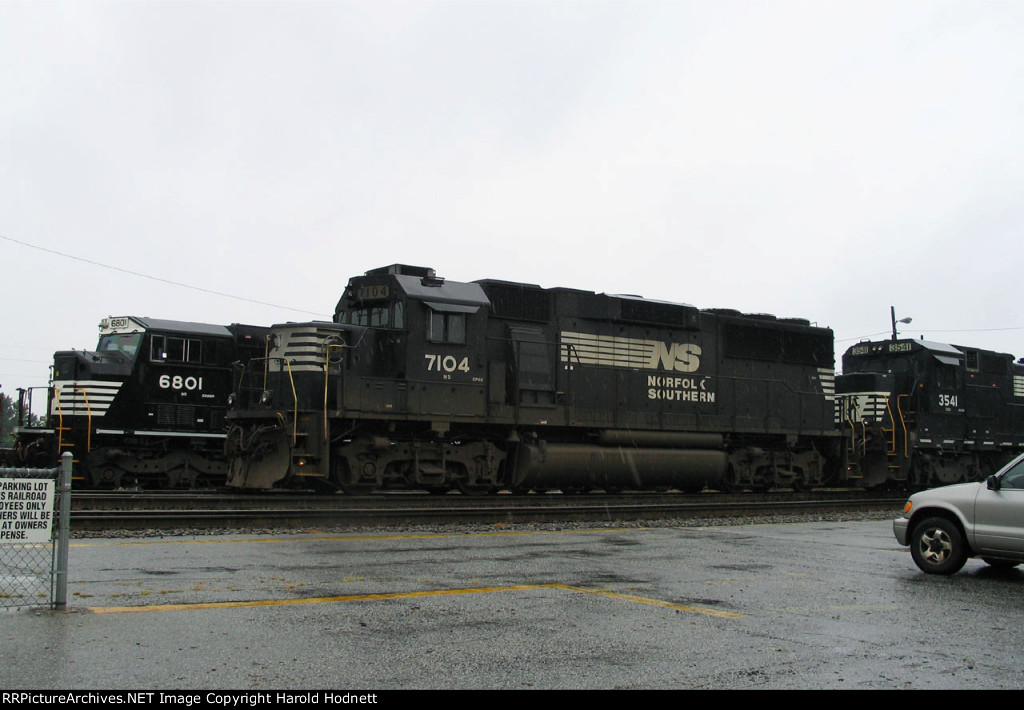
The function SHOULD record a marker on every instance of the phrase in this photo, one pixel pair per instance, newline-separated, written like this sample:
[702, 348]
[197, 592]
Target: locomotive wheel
[938, 547]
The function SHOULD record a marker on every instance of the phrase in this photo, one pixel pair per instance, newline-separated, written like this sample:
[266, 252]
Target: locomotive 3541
[918, 414]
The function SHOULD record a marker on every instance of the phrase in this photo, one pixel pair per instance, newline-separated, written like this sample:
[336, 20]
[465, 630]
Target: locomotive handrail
[60, 417]
[88, 419]
[295, 402]
[237, 388]
[248, 374]
[266, 359]
[327, 377]
[903, 422]
[890, 448]
[849, 408]
[25, 398]
[266, 379]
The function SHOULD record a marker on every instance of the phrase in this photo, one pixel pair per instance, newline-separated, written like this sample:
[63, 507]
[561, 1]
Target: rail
[178, 513]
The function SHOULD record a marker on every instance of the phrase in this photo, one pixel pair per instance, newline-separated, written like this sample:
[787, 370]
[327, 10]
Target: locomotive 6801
[426, 383]
[146, 408]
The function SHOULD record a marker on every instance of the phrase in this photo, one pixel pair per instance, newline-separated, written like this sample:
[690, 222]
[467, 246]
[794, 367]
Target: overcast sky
[824, 159]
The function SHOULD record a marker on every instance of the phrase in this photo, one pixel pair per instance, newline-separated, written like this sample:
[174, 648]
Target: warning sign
[26, 510]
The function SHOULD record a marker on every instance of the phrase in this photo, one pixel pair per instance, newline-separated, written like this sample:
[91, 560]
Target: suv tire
[938, 546]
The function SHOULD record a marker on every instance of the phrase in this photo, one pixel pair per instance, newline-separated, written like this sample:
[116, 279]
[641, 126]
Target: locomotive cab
[408, 366]
[429, 337]
[145, 408]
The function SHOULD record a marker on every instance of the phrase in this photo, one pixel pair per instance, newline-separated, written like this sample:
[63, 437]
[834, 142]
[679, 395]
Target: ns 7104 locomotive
[431, 384]
[145, 409]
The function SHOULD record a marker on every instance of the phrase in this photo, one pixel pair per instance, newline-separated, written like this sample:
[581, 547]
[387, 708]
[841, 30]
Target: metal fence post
[60, 597]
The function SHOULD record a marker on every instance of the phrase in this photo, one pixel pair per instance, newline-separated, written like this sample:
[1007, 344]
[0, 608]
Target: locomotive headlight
[265, 398]
[231, 399]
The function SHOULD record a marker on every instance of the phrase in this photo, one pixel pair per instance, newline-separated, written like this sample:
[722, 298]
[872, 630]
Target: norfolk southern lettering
[679, 389]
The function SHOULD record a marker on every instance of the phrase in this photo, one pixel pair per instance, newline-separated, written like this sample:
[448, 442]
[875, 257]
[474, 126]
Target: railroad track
[92, 512]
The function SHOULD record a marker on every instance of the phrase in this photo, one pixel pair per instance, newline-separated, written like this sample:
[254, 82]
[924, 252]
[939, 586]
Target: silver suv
[944, 526]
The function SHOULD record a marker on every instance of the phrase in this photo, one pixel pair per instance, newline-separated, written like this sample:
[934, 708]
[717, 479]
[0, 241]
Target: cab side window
[447, 327]
[170, 349]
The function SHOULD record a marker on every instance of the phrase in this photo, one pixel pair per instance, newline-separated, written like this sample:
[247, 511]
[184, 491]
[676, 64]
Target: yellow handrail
[903, 422]
[891, 444]
[88, 420]
[60, 418]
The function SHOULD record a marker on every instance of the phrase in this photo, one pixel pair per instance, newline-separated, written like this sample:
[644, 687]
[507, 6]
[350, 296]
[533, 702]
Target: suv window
[1014, 478]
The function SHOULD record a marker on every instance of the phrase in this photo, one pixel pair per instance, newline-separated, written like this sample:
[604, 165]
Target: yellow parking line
[312, 600]
[411, 595]
[653, 602]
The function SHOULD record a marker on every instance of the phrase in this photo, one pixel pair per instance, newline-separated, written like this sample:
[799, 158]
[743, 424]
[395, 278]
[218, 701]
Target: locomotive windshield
[380, 315]
[127, 343]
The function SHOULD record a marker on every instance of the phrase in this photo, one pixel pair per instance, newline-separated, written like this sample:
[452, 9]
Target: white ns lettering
[681, 357]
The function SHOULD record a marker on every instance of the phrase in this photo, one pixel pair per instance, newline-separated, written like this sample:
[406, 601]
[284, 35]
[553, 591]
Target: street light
[892, 311]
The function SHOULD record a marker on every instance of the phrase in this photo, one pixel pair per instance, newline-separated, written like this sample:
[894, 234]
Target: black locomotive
[919, 414]
[425, 383]
[145, 409]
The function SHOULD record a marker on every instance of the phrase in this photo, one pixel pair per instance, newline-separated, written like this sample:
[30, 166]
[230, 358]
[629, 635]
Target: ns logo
[676, 357]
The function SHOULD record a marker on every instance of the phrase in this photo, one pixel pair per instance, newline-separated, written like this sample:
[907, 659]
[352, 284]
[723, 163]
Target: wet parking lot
[808, 605]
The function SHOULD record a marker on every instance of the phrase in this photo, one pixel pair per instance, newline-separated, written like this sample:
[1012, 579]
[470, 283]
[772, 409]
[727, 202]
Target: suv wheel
[938, 546]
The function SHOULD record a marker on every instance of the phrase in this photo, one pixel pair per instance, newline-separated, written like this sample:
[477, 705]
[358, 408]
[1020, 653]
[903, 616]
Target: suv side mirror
[992, 482]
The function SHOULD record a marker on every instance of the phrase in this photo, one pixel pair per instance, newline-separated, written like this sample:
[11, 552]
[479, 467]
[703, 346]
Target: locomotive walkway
[809, 605]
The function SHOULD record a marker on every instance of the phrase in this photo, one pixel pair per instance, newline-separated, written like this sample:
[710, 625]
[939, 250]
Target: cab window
[447, 327]
[380, 316]
[170, 349]
[127, 343]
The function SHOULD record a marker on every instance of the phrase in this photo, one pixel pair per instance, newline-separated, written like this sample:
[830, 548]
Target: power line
[156, 278]
[950, 330]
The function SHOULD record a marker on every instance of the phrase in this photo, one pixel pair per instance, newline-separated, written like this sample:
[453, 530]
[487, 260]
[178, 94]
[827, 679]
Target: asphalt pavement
[808, 605]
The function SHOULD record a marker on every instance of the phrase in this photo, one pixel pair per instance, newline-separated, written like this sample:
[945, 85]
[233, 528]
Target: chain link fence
[35, 506]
